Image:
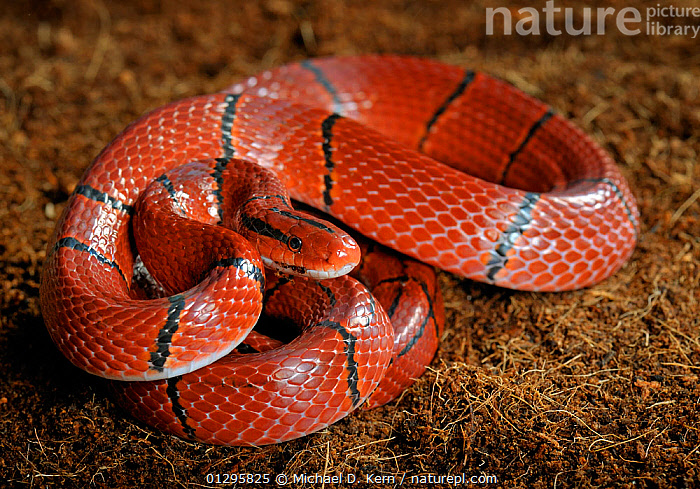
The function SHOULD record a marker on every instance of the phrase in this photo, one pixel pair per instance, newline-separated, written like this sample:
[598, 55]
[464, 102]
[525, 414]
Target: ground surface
[590, 388]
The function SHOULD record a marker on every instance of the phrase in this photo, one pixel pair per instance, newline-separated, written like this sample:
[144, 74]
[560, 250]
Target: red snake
[528, 202]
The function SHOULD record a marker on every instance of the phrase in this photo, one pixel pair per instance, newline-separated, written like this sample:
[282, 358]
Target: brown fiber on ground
[590, 388]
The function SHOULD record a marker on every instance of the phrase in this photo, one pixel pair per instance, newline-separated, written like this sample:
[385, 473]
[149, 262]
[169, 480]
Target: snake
[183, 247]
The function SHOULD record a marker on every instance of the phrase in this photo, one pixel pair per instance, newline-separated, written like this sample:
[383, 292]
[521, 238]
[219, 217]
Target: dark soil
[597, 387]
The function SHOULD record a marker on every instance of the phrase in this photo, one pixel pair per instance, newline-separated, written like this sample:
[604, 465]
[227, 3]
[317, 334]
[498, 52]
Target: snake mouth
[308, 272]
[324, 274]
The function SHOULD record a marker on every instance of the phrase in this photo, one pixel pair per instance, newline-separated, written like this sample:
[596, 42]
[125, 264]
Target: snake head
[298, 243]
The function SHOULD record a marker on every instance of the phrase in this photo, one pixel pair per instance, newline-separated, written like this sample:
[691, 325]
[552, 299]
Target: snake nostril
[294, 244]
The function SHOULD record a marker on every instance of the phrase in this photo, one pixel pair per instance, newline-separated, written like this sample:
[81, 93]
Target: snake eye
[294, 243]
